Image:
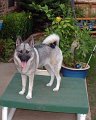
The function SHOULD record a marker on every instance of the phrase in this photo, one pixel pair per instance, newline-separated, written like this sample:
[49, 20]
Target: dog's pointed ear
[30, 41]
[19, 40]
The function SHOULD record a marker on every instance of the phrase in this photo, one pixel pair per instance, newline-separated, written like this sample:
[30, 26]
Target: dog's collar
[37, 55]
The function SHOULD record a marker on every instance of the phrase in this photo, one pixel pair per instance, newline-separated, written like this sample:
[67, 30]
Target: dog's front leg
[24, 79]
[31, 79]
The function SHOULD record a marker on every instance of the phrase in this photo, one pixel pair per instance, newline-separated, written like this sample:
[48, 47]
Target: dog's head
[24, 50]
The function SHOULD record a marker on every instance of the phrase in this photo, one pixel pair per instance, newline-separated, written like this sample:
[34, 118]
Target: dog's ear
[30, 41]
[19, 40]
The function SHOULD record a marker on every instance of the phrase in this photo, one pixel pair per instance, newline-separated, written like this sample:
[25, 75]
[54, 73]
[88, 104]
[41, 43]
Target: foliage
[7, 47]
[62, 10]
[41, 7]
[52, 4]
[40, 20]
[69, 33]
[16, 24]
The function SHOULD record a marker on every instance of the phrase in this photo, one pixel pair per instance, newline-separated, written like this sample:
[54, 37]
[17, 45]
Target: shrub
[76, 44]
[16, 24]
[38, 15]
[7, 47]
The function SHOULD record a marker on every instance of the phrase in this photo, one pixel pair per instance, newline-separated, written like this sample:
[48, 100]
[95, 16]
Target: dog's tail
[52, 40]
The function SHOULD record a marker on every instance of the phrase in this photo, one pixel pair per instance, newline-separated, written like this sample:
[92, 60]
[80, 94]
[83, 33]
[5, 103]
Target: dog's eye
[27, 51]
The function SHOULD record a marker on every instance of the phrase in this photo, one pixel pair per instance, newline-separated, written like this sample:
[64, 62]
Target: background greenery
[40, 16]
[7, 47]
[34, 20]
[15, 24]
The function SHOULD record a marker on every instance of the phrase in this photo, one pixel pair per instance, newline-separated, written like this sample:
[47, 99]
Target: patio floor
[7, 71]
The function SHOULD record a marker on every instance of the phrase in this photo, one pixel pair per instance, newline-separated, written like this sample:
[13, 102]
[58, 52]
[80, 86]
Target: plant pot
[73, 72]
[1, 24]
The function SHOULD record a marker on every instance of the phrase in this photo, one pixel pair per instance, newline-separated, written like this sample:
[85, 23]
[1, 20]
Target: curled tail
[52, 40]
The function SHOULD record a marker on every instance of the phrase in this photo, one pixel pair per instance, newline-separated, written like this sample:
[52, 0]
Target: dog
[28, 57]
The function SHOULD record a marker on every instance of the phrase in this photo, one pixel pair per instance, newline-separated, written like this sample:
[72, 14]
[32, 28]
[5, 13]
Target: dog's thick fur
[28, 57]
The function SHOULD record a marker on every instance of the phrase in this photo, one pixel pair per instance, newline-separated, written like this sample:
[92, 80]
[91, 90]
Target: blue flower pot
[76, 73]
[1, 24]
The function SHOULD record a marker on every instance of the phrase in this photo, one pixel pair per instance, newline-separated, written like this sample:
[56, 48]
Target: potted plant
[76, 44]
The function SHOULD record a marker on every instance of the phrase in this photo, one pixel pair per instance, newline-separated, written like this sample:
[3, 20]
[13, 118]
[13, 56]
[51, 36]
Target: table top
[71, 98]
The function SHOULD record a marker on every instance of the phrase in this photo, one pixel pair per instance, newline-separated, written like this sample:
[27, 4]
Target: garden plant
[76, 44]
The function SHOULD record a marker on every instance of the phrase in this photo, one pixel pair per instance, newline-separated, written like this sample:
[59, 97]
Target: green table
[71, 98]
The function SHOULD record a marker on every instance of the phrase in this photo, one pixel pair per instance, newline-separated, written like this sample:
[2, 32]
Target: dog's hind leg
[58, 77]
[57, 74]
[24, 79]
[30, 88]
[51, 74]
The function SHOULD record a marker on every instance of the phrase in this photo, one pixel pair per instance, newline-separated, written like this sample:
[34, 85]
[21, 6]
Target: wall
[89, 7]
[4, 7]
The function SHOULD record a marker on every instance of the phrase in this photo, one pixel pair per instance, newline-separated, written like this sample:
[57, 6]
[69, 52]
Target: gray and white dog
[28, 57]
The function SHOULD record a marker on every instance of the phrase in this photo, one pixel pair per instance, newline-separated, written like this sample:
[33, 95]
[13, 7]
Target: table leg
[11, 113]
[5, 113]
[81, 116]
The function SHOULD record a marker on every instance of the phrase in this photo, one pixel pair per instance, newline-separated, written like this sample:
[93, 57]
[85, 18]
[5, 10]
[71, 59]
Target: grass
[91, 83]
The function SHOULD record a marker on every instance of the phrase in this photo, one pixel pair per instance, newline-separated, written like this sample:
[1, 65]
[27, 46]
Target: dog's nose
[24, 58]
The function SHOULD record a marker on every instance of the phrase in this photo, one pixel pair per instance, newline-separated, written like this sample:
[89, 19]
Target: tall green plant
[65, 29]
[69, 33]
[24, 4]
[62, 10]
[40, 20]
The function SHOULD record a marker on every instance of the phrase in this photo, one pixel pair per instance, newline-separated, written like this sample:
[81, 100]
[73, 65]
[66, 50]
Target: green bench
[71, 98]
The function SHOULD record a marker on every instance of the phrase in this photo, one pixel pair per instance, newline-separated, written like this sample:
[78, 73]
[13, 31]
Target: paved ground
[7, 70]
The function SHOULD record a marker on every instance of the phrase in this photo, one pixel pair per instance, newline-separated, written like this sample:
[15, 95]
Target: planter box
[73, 72]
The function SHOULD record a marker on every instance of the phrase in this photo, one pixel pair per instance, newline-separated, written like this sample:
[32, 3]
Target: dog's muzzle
[24, 58]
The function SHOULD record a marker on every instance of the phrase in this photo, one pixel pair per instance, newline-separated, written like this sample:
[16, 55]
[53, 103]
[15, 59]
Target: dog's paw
[49, 84]
[55, 89]
[28, 97]
[21, 92]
